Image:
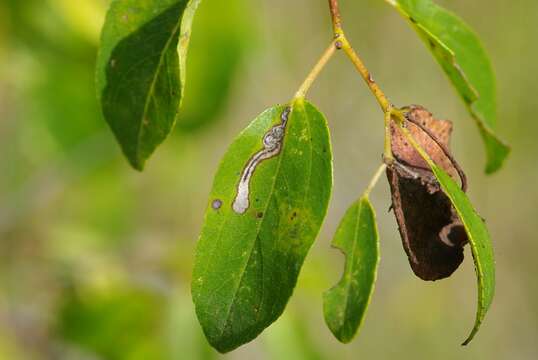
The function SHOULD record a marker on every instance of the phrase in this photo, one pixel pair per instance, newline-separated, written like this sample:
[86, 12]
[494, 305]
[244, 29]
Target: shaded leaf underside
[140, 70]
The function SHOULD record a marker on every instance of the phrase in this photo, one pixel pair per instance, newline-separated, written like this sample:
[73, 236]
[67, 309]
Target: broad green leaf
[264, 212]
[345, 304]
[461, 55]
[141, 71]
[477, 234]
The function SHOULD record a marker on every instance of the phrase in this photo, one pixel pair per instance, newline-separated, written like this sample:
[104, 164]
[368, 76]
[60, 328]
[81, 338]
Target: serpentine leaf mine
[272, 143]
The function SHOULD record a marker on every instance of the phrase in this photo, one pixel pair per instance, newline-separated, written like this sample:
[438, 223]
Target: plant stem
[343, 43]
[375, 179]
[388, 158]
[336, 18]
[324, 59]
[363, 71]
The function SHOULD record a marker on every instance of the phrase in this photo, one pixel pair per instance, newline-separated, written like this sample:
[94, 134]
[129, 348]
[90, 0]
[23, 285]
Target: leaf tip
[137, 164]
[496, 161]
[470, 338]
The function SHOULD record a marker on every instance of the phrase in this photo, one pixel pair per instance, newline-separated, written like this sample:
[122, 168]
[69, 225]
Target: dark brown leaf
[432, 235]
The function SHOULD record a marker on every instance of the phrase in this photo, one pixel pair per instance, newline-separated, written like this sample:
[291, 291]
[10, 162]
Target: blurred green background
[95, 258]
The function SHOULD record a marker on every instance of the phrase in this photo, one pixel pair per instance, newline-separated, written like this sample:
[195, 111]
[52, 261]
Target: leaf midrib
[309, 178]
[353, 256]
[271, 193]
[151, 90]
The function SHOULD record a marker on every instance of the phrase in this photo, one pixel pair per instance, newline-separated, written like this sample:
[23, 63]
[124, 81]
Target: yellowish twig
[375, 179]
[325, 57]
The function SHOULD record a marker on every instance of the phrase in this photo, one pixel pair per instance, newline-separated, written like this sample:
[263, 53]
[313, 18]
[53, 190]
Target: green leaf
[461, 55]
[477, 234]
[141, 71]
[345, 304]
[255, 238]
[479, 240]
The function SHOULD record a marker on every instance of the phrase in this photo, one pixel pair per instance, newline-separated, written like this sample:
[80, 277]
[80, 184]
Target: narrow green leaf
[345, 304]
[461, 55]
[477, 234]
[141, 70]
[479, 240]
[264, 212]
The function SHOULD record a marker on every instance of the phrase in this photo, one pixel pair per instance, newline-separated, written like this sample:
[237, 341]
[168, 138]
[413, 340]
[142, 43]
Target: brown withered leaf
[432, 234]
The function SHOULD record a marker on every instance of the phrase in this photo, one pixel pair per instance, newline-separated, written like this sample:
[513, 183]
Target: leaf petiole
[316, 70]
[375, 179]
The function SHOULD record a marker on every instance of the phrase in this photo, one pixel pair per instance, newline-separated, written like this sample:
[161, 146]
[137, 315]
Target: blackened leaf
[461, 55]
[478, 236]
[345, 304]
[431, 233]
[141, 71]
[268, 201]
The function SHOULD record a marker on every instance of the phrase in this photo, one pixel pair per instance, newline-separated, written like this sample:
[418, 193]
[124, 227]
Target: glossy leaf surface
[255, 238]
[345, 304]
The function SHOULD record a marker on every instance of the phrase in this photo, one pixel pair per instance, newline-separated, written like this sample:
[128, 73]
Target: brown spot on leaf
[441, 129]
[432, 234]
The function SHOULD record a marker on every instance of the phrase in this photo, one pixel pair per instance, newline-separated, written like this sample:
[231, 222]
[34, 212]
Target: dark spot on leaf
[412, 19]
[216, 204]
[259, 215]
